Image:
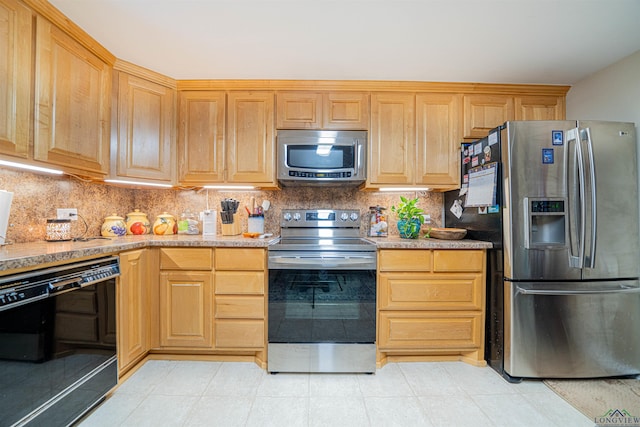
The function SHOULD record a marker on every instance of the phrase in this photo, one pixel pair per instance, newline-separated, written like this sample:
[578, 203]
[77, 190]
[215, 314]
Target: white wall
[612, 93]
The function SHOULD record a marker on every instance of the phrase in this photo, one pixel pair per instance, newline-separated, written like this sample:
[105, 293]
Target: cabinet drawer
[429, 331]
[430, 291]
[404, 260]
[241, 334]
[234, 307]
[240, 259]
[185, 259]
[239, 282]
[458, 260]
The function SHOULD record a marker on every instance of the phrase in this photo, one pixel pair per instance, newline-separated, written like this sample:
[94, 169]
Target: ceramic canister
[137, 222]
[165, 224]
[113, 226]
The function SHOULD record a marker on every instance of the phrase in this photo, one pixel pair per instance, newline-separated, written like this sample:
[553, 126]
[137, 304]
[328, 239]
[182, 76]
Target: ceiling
[500, 41]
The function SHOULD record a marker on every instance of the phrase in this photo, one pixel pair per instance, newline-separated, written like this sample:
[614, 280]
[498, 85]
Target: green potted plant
[409, 217]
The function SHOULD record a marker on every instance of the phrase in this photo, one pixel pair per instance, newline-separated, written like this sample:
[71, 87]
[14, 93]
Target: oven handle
[315, 261]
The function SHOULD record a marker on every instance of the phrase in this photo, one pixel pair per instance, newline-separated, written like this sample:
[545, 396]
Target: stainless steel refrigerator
[563, 290]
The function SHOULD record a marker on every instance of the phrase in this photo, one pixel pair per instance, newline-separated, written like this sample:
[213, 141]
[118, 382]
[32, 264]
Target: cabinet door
[144, 125]
[299, 110]
[15, 77]
[539, 108]
[250, 138]
[201, 137]
[392, 147]
[438, 139]
[71, 123]
[484, 112]
[186, 301]
[345, 110]
[133, 316]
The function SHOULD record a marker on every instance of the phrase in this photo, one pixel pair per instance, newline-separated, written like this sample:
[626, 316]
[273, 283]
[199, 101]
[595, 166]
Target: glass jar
[188, 223]
[58, 230]
[378, 226]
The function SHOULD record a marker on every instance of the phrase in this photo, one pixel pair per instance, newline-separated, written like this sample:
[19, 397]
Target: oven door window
[322, 306]
[319, 156]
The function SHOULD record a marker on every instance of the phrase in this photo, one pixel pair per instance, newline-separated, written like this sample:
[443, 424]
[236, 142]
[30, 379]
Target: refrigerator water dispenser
[545, 225]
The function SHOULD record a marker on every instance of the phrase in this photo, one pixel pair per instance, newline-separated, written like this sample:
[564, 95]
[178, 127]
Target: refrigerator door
[607, 191]
[535, 208]
[572, 330]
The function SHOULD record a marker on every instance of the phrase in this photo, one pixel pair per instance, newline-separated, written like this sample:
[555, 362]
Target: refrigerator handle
[523, 291]
[577, 261]
[591, 260]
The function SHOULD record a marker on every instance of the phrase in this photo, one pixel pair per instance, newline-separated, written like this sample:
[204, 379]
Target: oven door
[322, 306]
[57, 356]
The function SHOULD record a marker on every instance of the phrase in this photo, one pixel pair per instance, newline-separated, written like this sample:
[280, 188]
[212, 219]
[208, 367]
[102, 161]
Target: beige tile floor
[186, 393]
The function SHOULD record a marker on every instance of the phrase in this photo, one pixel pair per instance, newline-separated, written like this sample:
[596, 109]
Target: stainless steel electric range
[322, 294]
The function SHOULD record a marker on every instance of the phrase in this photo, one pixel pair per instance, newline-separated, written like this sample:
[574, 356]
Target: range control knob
[296, 216]
[354, 216]
[287, 216]
[344, 216]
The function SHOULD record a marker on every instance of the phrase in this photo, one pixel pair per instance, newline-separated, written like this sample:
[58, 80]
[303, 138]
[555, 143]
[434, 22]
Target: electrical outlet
[69, 213]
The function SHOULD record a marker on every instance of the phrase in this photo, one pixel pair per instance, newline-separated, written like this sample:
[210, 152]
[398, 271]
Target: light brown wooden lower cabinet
[185, 307]
[431, 305]
[211, 304]
[132, 307]
[240, 300]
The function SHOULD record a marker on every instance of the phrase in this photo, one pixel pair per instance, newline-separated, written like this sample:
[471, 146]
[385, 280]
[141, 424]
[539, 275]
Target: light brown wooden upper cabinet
[250, 145]
[484, 112]
[540, 107]
[15, 77]
[438, 127]
[316, 110]
[392, 139]
[72, 105]
[144, 130]
[201, 137]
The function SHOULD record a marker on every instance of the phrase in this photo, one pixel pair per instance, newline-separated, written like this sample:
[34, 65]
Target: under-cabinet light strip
[30, 167]
[229, 187]
[149, 184]
[404, 189]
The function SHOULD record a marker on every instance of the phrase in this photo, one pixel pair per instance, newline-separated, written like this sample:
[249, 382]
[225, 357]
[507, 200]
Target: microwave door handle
[591, 260]
[358, 155]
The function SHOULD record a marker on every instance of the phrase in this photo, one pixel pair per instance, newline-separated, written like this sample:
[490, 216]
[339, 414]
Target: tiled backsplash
[36, 198]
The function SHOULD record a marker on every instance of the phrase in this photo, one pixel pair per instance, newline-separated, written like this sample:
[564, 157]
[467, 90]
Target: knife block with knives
[229, 218]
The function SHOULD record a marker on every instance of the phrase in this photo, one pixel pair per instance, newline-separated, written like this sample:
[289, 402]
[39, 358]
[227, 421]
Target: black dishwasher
[57, 342]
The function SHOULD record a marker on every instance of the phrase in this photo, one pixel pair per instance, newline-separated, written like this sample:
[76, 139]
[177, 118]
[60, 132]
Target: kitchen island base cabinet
[431, 305]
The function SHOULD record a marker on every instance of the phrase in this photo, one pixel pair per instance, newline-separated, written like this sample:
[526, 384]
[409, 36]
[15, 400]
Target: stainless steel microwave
[321, 157]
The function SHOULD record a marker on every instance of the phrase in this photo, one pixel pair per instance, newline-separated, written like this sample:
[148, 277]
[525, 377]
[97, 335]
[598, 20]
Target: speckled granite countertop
[26, 255]
[395, 242]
